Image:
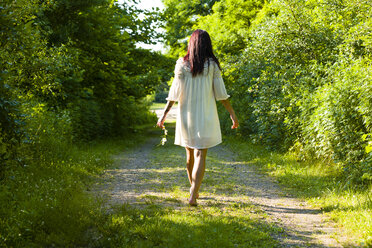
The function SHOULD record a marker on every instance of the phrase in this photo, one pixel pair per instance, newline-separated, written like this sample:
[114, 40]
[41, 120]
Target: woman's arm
[166, 110]
[227, 105]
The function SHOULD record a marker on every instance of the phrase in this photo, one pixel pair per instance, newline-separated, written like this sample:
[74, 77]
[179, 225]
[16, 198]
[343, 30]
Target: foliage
[299, 73]
[70, 72]
[179, 18]
[9, 125]
[162, 72]
[299, 76]
[228, 25]
[307, 84]
[45, 202]
[79, 58]
[113, 82]
[339, 126]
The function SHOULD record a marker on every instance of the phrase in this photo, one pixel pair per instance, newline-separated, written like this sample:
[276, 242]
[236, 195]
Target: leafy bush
[70, 73]
[337, 118]
[9, 126]
[42, 198]
[79, 60]
[298, 73]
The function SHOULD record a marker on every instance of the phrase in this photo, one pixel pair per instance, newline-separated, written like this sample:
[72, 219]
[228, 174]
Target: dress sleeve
[218, 85]
[175, 89]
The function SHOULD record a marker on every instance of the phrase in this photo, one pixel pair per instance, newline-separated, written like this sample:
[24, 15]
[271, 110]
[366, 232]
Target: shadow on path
[157, 175]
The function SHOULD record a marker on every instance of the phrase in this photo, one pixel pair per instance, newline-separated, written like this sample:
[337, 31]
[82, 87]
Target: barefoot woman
[197, 85]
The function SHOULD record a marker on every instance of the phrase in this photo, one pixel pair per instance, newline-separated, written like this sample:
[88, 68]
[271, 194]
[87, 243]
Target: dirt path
[157, 175]
[304, 225]
[171, 116]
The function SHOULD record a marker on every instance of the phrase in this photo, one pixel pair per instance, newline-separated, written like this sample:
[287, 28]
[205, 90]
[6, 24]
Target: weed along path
[238, 206]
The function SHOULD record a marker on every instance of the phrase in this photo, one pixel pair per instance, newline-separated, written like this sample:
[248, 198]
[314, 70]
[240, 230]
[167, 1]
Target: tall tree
[180, 18]
[229, 23]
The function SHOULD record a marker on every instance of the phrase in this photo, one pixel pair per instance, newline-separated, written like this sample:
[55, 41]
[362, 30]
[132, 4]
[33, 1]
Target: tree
[74, 63]
[229, 23]
[180, 18]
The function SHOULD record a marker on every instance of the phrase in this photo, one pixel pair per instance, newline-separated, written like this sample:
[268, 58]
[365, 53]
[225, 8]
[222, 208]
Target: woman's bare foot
[197, 194]
[192, 202]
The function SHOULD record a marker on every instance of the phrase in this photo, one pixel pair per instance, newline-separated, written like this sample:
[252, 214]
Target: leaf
[368, 148]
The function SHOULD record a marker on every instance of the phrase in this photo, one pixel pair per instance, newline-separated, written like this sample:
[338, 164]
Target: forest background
[298, 72]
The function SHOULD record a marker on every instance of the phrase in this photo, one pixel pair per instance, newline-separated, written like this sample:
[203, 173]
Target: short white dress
[197, 124]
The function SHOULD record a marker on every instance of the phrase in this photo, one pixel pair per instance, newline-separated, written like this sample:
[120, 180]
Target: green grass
[319, 184]
[157, 105]
[156, 226]
[45, 203]
[166, 220]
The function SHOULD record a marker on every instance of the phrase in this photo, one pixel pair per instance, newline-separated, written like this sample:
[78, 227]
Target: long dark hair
[199, 50]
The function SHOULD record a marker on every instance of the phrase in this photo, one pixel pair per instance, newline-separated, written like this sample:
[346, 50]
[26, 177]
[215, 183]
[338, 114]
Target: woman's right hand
[161, 122]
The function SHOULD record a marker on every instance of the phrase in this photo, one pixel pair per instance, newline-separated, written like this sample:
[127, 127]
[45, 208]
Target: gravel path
[304, 225]
[172, 114]
[126, 183]
[139, 178]
[134, 181]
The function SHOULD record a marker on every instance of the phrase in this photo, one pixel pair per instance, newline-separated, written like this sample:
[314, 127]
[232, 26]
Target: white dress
[197, 124]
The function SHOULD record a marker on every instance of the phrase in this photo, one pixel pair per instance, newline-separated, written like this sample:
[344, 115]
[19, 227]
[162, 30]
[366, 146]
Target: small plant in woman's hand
[161, 125]
[164, 137]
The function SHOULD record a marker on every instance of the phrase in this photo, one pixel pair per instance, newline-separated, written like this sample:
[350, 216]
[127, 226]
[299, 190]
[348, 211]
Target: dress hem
[199, 147]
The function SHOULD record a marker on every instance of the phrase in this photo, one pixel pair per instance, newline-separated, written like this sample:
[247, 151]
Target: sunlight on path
[304, 225]
[157, 175]
[172, 114]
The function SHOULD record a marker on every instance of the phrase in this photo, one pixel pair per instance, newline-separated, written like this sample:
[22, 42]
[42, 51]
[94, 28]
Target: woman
[196, 86]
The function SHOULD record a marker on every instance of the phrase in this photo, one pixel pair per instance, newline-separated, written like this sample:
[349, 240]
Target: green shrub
[303, 82]
[43, 200]
[337, 119]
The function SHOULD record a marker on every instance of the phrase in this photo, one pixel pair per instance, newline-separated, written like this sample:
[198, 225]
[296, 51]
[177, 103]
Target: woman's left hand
[234, 121]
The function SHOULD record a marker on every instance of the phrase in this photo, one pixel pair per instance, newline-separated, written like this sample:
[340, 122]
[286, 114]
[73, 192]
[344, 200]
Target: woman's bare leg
[190, 165]
[189, 162]
[197, 173]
